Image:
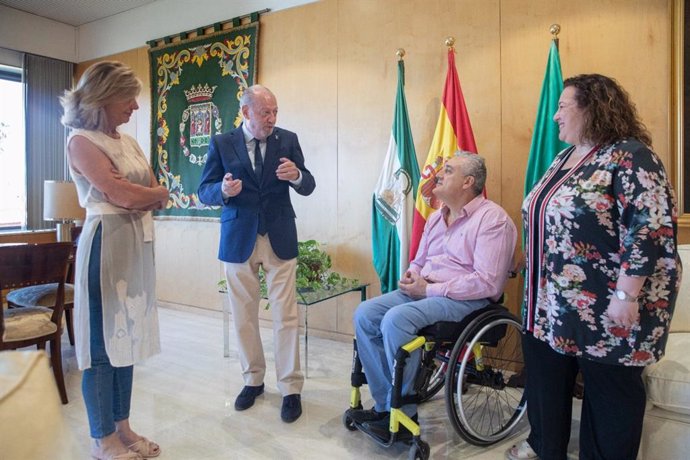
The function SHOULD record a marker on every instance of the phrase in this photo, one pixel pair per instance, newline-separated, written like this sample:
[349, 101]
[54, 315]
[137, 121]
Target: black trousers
[612, 408]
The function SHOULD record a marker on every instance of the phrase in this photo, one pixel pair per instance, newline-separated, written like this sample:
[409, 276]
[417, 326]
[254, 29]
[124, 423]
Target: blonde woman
[115, 310]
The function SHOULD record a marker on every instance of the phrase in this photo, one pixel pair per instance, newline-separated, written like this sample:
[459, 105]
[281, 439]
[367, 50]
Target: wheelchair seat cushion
[450, 330]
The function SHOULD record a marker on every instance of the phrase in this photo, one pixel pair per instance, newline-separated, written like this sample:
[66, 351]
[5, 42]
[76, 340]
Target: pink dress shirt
[469, 259]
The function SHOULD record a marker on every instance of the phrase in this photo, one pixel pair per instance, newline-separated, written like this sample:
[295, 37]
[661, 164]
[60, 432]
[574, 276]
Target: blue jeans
[385, 323]
[107, 390]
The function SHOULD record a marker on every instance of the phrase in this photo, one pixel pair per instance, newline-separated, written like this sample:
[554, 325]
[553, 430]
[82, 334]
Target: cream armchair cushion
[668, 381]
[27, 323]
[30, 411]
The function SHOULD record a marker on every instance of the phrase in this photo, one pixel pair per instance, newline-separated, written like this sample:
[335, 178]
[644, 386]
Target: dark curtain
[45, 80]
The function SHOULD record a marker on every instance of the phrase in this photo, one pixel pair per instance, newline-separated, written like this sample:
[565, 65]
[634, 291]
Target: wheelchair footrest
[384, 441]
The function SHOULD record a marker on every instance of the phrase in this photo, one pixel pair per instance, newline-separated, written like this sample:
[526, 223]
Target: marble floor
[183, 399]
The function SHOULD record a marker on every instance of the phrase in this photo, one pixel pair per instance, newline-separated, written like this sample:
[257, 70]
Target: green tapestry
[195, 92]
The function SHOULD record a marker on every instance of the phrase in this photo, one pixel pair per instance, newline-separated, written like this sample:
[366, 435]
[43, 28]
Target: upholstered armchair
[666, 432]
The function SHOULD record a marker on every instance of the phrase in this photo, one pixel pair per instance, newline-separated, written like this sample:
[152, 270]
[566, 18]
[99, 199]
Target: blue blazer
[269, 196]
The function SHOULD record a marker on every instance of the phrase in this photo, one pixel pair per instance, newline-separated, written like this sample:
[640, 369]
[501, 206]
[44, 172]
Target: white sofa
[666, 432]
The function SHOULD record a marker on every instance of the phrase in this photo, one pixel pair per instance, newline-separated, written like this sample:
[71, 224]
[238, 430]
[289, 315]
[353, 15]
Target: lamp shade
[60, 201]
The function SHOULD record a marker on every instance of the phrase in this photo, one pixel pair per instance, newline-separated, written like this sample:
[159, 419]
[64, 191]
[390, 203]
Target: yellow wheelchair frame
[466, 367]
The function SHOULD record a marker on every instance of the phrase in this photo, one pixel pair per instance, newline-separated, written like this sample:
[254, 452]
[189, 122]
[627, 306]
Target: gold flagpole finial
[450, 42]
[555, 29]
[400, 52]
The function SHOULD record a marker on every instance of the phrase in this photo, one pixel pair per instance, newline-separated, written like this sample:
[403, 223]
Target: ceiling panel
[74, 12]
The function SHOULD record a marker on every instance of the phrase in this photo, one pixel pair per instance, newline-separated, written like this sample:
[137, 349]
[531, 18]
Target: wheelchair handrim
[519, 410]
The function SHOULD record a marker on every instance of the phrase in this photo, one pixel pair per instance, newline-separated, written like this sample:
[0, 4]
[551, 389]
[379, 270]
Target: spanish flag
[453, 132]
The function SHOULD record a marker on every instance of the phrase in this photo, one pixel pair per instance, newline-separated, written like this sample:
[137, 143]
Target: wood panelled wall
[332, 66]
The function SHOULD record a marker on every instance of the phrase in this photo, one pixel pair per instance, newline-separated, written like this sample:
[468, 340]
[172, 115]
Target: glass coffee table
[308, 298]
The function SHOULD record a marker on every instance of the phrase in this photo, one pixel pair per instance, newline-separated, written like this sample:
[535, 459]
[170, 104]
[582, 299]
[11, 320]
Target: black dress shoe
[371, 415]
[381, 429]
[246, 398]
[292, 408]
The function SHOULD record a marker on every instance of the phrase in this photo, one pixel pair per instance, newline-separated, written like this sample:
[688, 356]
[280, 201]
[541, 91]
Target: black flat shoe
[371, 415]
[292, 408]
[246, 398]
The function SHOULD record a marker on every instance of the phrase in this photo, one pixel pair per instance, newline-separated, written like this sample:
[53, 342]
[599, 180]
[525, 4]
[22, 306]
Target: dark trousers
[612, 408]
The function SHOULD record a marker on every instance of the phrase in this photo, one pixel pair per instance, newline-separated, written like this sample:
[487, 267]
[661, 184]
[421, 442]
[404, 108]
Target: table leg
[226, 327]
[306, 342]
[363, 296]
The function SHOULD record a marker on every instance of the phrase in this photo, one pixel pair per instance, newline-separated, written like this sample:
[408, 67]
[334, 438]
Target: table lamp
[60, 204]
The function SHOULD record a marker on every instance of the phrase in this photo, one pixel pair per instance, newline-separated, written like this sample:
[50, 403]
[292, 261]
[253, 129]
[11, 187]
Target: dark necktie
[258, 161]
[258, 170]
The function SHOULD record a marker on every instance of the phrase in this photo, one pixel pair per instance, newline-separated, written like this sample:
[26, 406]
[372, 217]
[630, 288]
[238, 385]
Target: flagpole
[545, 144]
[450, 42]
[400, 52]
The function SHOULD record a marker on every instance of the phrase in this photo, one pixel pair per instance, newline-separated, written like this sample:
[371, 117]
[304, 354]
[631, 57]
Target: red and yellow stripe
[453, 132]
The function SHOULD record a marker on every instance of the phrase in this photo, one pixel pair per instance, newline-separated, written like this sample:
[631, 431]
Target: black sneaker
[361, 416]
[246, 398]
[381, 429]
[292, 408]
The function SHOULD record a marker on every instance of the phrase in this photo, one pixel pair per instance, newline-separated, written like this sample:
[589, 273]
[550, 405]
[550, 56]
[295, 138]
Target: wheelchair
[478, 360]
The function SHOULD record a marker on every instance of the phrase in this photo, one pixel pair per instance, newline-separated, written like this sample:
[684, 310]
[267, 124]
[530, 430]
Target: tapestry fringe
[206, 31]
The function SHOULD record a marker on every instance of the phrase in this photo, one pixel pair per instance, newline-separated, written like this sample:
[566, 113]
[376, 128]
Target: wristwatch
[624, 296]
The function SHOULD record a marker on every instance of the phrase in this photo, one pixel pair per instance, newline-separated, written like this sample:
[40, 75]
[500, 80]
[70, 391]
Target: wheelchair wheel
[420, 450]
[433, 369]
[348, 421]
[483, 404]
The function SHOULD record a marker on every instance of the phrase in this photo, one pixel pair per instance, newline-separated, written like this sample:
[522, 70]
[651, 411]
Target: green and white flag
[394, 197]
[545, 142]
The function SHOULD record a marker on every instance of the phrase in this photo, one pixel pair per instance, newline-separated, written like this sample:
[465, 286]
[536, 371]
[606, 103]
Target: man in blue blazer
[249, 172]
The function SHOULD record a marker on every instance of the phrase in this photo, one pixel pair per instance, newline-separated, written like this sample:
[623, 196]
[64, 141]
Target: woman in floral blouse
[602, 275]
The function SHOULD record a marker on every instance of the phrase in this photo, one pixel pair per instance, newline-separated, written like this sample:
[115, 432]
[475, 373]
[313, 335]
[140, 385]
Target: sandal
[522, 451]
[145, 448]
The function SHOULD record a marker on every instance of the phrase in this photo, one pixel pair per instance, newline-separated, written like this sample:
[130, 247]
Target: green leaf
[313, 271]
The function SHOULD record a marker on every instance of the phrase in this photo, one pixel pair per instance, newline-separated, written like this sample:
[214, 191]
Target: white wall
[133, 28]
[26, 32]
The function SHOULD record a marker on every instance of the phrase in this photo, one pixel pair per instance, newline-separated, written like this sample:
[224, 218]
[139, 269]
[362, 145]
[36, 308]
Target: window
[12, 151]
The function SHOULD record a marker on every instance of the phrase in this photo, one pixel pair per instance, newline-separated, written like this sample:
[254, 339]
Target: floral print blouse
[613, 213]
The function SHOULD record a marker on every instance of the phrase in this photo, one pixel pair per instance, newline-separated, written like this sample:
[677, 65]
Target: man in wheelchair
[462, 264]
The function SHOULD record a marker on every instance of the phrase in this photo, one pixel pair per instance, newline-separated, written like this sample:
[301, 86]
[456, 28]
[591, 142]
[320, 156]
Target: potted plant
[313, 271]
